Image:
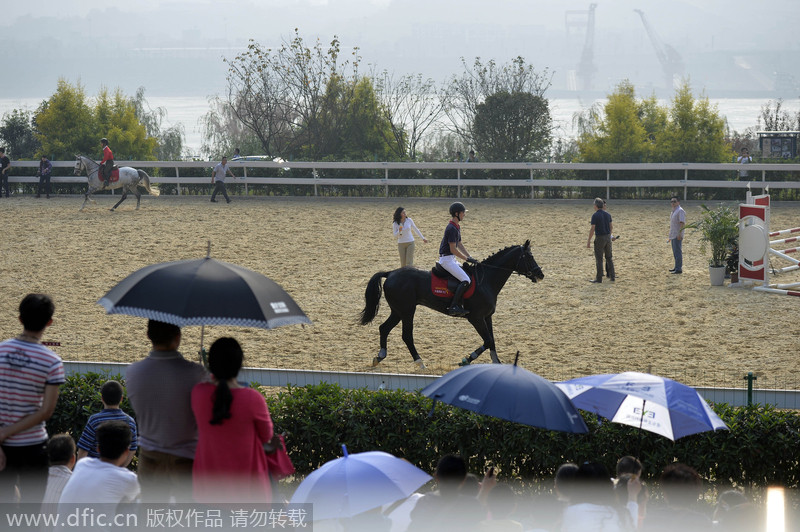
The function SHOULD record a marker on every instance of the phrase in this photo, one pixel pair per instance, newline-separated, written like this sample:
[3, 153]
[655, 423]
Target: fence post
[245, 180]
[386, 184]
[458, 178]
[608, 188]
[316, 176]
[685, 183]
[178, 178]
[750, 378]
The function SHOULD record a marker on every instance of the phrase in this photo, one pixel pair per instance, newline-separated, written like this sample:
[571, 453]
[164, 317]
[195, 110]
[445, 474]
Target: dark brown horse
[406, 288]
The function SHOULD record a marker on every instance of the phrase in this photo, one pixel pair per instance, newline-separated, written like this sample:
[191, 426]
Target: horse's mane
[90, 164]
[498, 253]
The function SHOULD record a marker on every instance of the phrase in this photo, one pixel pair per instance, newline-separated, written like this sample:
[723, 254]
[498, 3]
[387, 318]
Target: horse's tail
[146, 180]
[372, 295]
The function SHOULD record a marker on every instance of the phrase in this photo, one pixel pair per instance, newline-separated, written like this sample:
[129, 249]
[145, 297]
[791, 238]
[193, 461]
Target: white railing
[458, 174]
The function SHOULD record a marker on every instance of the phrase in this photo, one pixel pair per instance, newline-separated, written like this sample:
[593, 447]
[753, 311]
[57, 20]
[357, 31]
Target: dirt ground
[324, 250]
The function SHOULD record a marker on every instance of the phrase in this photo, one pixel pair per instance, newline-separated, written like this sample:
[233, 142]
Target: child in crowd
[104, 479]
[61, 454]
[111, 394]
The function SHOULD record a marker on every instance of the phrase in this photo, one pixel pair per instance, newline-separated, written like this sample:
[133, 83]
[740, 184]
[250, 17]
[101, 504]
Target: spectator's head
[681, 484]
[163, 335]
[502, 501]
[593, 484]
[599, 203]
[471, 486]
[44, 157]
[629, 464]
[61, 450]
[224, 362]
[113, 439]
[450, 473]
[36, 312]
[224, 159]
[111, 393]
[565, 480]
[397, 217]
[2, 151]
[745, 151]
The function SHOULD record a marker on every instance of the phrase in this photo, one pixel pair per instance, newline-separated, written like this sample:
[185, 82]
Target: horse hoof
[376, 361]
[464, 362]
[420, 363]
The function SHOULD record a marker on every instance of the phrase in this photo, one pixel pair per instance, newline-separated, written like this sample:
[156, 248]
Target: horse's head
[79, 165]
[527, 265]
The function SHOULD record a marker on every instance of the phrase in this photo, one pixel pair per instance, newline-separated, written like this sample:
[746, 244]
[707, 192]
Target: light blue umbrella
[356, 483]
[653, 403]
[509, 392]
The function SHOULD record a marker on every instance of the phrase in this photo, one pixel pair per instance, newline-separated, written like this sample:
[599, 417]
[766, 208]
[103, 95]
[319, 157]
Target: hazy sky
[175, 46]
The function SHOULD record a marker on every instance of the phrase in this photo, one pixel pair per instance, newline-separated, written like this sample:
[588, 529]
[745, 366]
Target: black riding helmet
[457, 207]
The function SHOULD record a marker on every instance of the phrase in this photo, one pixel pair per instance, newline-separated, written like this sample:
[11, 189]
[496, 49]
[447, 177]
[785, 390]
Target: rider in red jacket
[107, 164]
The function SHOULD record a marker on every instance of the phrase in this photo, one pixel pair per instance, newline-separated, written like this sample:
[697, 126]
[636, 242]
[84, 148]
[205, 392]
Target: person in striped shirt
[111, 393]
[30, 376]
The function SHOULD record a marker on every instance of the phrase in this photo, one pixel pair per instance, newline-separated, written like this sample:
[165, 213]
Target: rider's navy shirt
[452, 233]
[601, 221]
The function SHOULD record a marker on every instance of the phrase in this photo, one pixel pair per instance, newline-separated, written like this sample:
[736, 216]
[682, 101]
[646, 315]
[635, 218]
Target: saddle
[114, 174]
[443, 284]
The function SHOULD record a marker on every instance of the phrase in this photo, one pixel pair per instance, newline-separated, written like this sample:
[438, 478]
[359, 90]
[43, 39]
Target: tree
[631, 130]
[513, 127]
[170, 140]
[464, 94]
[618, 135]
[65, 123]
[694, 133]
[776, 118]
[17, 134]
[68, 123]
[116, 120]
[412, 106]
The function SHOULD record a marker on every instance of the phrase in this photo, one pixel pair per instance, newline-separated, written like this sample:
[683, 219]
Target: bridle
[516, 269]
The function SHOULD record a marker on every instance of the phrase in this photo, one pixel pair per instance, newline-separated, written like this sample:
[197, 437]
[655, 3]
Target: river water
[741, 113]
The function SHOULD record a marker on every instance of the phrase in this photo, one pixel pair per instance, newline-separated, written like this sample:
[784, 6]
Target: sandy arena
[324, 250]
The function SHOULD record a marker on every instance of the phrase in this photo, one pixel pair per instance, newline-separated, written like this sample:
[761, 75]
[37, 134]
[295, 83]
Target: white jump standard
[756, 248]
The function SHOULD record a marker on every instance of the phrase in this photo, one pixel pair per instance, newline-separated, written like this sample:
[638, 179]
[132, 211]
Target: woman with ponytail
[233, 423]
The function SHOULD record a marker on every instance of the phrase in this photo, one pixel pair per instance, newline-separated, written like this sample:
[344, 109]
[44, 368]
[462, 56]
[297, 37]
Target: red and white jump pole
[755, 247]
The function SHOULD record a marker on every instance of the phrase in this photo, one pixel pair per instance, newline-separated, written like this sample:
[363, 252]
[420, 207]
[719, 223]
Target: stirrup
[457, 311]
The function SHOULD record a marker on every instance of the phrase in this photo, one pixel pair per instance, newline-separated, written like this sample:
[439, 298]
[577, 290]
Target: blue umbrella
[356, 483]
[509, 392]
[653, 403]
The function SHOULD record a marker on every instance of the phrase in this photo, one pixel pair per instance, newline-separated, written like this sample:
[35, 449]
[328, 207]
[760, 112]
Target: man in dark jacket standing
[601, 230]
[45, 169]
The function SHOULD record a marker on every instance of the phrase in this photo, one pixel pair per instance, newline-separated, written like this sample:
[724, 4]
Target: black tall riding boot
[456, 308]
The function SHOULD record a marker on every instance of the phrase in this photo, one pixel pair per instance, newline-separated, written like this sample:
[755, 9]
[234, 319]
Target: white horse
[129, 180]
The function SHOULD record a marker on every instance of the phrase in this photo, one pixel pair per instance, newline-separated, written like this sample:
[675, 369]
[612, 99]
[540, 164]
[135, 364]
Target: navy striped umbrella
[203, 292]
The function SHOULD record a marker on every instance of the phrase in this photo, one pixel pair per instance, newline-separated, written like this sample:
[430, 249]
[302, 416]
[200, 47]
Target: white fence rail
[458, 174]
[786, 399]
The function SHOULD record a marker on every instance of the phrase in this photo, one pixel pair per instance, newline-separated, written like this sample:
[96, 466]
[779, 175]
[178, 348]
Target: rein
[515, 269]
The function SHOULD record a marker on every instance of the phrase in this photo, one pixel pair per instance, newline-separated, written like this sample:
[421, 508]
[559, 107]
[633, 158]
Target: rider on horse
[107, 164]
[450, 249]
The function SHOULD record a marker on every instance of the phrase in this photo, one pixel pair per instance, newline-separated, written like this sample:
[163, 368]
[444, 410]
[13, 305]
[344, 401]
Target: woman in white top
[403, 227]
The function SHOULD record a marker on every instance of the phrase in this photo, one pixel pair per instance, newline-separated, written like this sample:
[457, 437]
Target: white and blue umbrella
[356, 483]
[652, 403]
[509, 392]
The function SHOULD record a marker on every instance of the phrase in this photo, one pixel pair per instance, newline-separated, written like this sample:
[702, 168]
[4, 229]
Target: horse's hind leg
[385, 328]
[138, 199]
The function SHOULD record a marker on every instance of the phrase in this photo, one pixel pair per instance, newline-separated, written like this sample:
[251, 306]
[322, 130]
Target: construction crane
[671, 61]
[586, 67]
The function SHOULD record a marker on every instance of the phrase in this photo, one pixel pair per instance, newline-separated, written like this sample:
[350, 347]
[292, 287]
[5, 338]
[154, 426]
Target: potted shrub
[732, 263]
[719, 228]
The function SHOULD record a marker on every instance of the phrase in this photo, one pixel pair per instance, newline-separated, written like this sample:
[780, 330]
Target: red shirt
[107, 155]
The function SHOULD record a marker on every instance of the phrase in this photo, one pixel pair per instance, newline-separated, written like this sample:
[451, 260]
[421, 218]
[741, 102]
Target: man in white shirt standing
[218, 178]
[677, 222]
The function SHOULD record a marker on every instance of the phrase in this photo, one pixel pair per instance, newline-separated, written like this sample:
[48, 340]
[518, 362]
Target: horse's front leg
[138, 198]
[483, 327]
[124, 195]
[492, 347]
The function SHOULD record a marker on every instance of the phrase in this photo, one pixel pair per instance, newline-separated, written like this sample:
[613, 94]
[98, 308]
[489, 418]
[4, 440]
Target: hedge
[760, 449]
